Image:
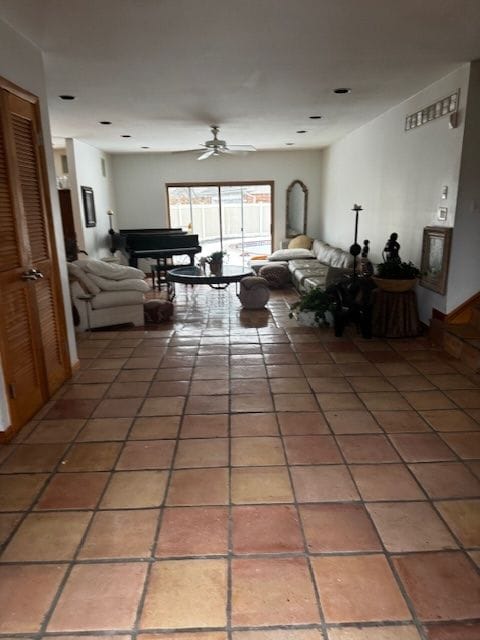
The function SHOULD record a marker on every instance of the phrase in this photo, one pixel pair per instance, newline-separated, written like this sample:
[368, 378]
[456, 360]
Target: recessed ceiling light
[302, 131]
[144, 147]
[342, 90]
[104, 122]
[314, 117]
[289, 144]
[126, 135]
[66, 97]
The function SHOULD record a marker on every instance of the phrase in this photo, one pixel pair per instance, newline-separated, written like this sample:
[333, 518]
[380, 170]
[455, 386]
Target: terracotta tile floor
[233, 475]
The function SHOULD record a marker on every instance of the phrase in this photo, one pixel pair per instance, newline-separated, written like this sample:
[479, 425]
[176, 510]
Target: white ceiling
[164, 70]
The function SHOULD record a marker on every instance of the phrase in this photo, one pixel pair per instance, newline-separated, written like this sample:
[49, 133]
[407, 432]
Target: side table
[395, 314]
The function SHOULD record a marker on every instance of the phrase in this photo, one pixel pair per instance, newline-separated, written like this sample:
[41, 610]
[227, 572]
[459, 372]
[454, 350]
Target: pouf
[157, 311]
[254, 292]
[276, 275]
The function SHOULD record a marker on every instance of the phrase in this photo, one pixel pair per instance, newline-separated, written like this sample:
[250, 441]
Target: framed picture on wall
[89, 207]
[435, 258]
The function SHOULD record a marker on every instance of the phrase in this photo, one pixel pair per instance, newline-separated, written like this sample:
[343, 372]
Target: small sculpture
[366, 265]
[390, 253]
[365, 248]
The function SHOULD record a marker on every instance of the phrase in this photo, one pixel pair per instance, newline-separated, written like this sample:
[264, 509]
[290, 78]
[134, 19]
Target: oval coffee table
[196, 275]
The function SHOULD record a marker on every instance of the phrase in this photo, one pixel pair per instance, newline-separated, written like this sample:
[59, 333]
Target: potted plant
[396, 276]
[215, 260]
[312, 308]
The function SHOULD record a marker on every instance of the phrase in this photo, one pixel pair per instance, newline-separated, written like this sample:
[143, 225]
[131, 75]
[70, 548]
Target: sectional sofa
[322, 265]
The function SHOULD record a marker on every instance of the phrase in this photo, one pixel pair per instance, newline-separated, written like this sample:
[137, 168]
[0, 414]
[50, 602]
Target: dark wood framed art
[89, 207]
[435, 258]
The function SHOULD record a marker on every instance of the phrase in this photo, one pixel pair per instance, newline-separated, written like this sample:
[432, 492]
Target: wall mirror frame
[296, 210]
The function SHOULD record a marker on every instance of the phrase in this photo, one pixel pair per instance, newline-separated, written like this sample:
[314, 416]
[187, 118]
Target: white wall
[397, 177]
[85, 169]
[139, 182]
[464, 274]
[59, 172]
[21, 63]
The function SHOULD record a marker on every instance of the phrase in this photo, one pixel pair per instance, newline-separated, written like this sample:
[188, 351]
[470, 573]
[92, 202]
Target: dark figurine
[390, 253]
[365, 265]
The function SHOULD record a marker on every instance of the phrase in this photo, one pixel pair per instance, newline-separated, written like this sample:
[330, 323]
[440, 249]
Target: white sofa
[106, 294]
[322, 265]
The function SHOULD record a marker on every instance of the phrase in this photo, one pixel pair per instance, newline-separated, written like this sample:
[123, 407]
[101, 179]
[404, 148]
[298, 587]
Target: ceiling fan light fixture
[217, 147]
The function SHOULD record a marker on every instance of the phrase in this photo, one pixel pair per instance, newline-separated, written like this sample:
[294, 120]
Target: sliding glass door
[234, 218]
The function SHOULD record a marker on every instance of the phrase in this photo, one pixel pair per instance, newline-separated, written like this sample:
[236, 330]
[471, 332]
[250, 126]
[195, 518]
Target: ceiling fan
[216, 147]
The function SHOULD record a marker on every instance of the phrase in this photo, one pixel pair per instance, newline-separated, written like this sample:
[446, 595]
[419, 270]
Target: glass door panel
[232, 224]
[179, 206]
[257, 220]
[205, 205]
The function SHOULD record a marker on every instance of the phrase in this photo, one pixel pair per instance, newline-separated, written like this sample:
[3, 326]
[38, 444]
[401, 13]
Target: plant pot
[216, 267]
[389, 284]
[307, 319]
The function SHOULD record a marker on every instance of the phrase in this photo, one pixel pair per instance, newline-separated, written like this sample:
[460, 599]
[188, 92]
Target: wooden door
[32, 324]
[68, 224]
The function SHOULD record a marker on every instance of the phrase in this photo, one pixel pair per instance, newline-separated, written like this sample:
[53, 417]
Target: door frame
[229, 183]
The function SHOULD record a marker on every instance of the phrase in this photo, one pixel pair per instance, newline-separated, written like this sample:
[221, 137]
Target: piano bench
[159, 279]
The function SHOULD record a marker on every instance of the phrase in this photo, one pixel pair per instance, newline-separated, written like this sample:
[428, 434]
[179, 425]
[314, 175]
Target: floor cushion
[157, 311]
[254, 292]
[276, 275]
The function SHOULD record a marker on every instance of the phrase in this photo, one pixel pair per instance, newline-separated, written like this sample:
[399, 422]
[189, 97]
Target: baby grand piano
[159, 244]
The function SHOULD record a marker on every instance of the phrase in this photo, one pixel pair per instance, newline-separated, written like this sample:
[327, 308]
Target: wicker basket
[388, 284]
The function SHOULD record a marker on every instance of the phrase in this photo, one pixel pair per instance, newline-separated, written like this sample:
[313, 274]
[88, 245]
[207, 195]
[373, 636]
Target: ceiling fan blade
[241, 147]
[207, 154]
[187, 151]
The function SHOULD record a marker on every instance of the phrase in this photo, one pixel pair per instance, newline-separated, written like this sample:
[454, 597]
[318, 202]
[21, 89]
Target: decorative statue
[366, 265]
[390, 253]
[365, 248]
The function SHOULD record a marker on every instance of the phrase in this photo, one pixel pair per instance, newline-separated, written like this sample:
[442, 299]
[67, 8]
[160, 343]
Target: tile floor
[232, 474]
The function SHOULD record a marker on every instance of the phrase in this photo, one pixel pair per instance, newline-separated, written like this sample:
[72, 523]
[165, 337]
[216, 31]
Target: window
[231, 217]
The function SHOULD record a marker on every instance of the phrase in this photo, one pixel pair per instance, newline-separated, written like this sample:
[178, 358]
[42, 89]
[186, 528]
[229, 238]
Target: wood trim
[16, 90]
[459, 315]
[75, 367]
[210, 183]
[230, 183]
[438, 315]
[9, 433]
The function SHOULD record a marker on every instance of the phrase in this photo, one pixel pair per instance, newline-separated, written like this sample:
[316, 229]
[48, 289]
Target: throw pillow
[300, 242]
[290, 254]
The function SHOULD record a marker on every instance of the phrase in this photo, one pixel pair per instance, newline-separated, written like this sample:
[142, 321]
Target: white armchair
[115, 297]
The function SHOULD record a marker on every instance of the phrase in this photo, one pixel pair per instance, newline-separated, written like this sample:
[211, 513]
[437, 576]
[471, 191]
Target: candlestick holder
[355, 248]
[111, 232]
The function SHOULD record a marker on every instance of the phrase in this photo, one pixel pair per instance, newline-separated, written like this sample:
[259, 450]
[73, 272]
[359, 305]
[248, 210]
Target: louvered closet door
[21, 360]
[25, 133]
[32, 328]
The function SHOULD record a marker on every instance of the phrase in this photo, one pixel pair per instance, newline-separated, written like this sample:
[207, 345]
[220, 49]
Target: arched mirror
[297, 197]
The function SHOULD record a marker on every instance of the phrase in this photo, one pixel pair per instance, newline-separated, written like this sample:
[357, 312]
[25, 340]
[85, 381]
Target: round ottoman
[276, 275]
[254, 292]
[157, 311]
